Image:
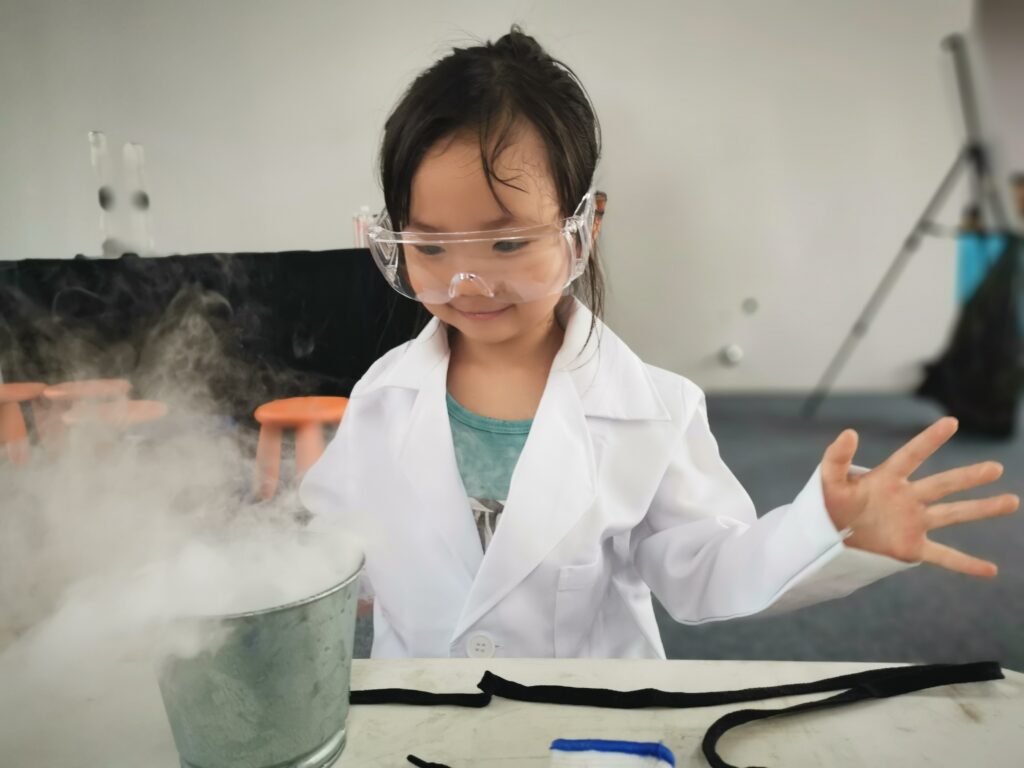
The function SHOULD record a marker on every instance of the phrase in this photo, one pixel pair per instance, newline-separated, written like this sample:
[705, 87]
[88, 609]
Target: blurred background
[764, 163]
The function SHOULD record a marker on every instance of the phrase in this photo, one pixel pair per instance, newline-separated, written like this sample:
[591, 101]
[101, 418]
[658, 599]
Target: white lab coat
[619, 492]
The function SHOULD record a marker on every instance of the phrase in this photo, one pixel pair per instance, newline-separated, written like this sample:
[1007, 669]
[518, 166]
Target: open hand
[890, 514]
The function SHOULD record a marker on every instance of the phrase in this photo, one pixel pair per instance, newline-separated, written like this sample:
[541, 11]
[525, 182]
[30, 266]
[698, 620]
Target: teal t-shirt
[487, 451]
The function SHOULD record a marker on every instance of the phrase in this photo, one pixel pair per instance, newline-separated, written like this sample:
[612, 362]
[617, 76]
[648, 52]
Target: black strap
[419, 698]
[874, 683]
[652, 697]
[886, 683]
[423, 763]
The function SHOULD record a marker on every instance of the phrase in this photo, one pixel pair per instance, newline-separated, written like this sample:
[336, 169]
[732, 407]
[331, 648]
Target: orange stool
[307, 416]
[13, 432]
[60, 398]
[118, 413]
[88, 389]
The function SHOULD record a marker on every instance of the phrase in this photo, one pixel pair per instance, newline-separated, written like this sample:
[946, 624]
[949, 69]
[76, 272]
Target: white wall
[778, 150]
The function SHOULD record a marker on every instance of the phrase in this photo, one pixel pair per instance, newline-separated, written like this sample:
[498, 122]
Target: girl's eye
[429, 250]
[510, 246]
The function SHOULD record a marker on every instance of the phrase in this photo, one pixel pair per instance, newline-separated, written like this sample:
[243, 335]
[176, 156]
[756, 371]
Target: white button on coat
[479, 646]
[619, 492]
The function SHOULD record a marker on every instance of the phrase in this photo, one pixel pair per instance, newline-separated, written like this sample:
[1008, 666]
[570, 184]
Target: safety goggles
[512, 265]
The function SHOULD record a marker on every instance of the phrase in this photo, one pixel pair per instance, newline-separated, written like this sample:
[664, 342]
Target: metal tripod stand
[984, 195]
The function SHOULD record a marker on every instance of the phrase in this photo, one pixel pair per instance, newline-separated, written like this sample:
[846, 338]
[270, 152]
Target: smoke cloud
[112, 537]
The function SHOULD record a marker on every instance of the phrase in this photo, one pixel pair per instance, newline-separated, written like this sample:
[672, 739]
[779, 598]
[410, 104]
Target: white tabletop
[962, 725]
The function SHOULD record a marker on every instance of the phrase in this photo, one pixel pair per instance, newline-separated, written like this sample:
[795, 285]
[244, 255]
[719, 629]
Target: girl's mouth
[488, 315]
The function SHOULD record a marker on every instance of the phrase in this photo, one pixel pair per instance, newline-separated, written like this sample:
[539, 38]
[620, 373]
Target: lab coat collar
[609, 378]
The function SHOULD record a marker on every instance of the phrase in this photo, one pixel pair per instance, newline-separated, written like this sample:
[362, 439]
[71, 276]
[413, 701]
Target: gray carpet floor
[923, 615]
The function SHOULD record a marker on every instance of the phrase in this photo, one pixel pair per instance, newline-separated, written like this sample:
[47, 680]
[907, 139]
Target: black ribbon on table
[860, 686]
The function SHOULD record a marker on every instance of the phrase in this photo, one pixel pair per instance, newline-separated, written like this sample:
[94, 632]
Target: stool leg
[268, 461]
[13, 433]
[309, 446]
[39, 415]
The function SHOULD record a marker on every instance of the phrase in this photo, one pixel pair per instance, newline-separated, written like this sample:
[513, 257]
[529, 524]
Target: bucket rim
[295, 603]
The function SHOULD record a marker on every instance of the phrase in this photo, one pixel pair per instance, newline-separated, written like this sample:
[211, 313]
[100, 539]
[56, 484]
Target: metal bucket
[274, 693]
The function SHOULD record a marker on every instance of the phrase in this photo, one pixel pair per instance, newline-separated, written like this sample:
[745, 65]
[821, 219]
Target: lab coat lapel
[552, 486]
[428, 459]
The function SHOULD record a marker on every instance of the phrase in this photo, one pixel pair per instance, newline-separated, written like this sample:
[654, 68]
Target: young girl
[521, 481]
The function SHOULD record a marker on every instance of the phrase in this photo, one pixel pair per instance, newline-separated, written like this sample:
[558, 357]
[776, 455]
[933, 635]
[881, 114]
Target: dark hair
[489, 89]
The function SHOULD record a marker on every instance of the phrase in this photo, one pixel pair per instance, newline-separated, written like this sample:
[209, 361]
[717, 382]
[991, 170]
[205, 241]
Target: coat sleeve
[707, 556]
[326, 491]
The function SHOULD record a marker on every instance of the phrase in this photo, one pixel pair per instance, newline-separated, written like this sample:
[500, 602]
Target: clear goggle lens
[509, 265]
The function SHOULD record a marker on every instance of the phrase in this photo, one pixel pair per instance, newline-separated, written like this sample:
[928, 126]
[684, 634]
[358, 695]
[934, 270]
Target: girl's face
[450, 193]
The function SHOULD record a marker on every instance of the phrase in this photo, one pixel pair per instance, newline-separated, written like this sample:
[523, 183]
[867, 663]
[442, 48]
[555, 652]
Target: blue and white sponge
[601, 753]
